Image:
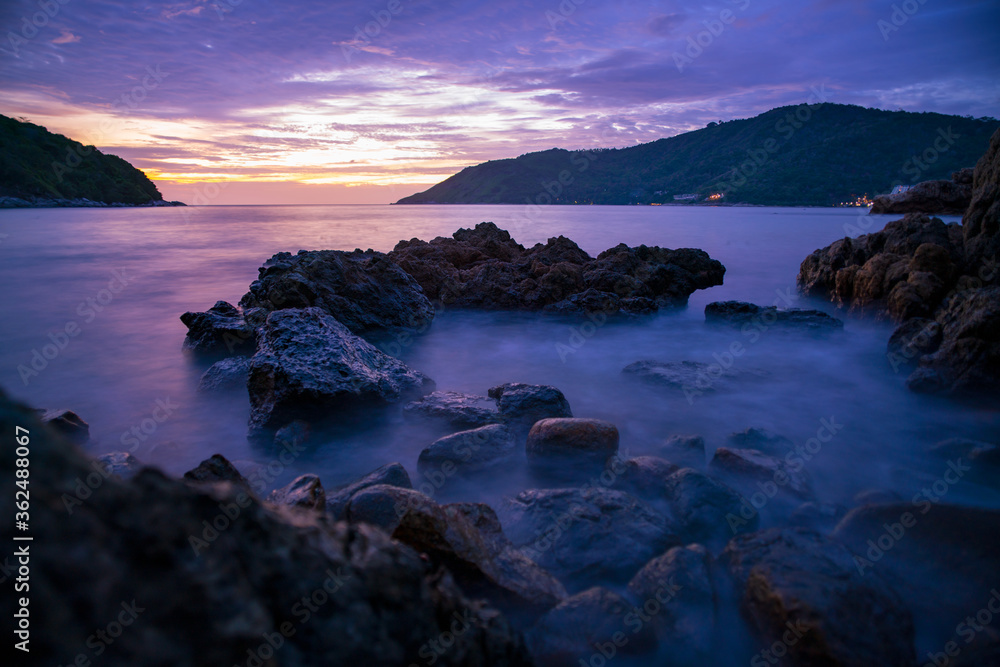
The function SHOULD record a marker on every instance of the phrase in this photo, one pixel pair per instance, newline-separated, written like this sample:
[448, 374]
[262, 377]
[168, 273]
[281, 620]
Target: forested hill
[817, 155]
[35, 163]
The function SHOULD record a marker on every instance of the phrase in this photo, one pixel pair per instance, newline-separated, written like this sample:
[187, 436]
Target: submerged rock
[470, 451]
[585, 536]
[310, 366]
[740, 313]
[364, 291]
[201, 597]
[485, 268]
[228, 373]
[754, 465]
[763, 440]
[804, 591]
[456, 409]
[644, 476]
[221, 330]
[391, 474]
[68, 424]
[691, 377]
[521, 405]
[706, 510]
[685, 450]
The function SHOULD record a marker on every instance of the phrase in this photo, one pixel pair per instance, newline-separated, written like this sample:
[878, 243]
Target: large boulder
[583, 440]
[308, 366]
[222, 330]
[521, 405]
[455, 409]
[205, 575]
[586, 536]
[803, 591]
[364, 291]
[391, 474]
[934, 197]
[470, 451]
[485, 268]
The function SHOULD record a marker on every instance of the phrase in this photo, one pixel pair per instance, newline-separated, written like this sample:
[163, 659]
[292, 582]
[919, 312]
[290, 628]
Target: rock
[900, 272]
[739, 313]
[228, 373]
[691, 377]
[310, 366]
[217, 468]
[752, 464]
[574, 440]
[121, 464]
[911, 340]
[391, 474]
[981, 222]
[521, 405]
[968, 358]
[796, 580]
[951, 551]
[585, 536]
[466, 539]
[68, 424]
[963, 176]
[485, 268]
[304, 492]
[364, 291]
[598, 305]
[677, 593]
[686, 450]
[456, 409]
[573, 631]
[706, 510]
[292, 435]
[762, 440]
[643, 476]
[470, 451]
[940, 197]
[210, 601]
[221, 330]
[818, 516]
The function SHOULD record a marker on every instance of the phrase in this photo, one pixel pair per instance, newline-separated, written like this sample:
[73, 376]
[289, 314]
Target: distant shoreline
[82, 202]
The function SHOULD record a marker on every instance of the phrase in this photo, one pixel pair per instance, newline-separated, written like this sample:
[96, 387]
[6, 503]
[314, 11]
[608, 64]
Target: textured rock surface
[939, 197]
[794, 579]
[585, 536]
[981, 222]
[521, 405]
[212, 603]
[455, 409]
[590, 440]
[470, 451]
[221, 330]
[309, 366]
[364, 291]
[485, 268]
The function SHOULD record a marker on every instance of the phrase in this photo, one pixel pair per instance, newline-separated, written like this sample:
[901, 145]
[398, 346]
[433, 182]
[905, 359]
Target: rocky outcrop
[455, 409]
[211, 577]
[739, 314]
[308, 365]
[391, 474]
[981, 222]
[805, 592]
[469, 451]
[67, 424]
[485, 268]
[228, 373]
[586, 536]
[222, 330]
[364, 291]
[933, 197]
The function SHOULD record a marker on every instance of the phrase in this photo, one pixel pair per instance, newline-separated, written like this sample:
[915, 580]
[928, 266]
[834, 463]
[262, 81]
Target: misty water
[127, 356]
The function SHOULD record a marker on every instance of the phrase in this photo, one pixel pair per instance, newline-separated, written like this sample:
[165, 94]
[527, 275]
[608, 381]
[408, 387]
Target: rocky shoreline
[42, 202]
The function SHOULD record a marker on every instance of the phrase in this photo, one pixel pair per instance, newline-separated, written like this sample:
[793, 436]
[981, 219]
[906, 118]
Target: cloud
[66, 37]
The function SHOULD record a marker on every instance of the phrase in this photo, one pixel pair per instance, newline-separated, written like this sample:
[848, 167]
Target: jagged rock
[456, 409]
[308, 366]
[706, 510]
[305, 492]
[981, 222]
[485, 268]
[364, 291]
[221, 330]
[573, 632]
[521, 405]
[470, 451]
[228, 373]
[213, 598]
[68, 424]
[391, 474]
[577, 440]
[677, 593]
[796, 584]
[752, 464]
[465, 538]
[940, 197]
[585, 536]
[740, 313]
[122, 464]
[762, 440]
[217, 468]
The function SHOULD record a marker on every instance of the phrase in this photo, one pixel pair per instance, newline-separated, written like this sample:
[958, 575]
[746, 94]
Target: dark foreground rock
[485, 268]
[222, 330]
[310, 366]
[804, 591]
[228, 373]
[455, 409]
[740, 314]
[586, 536]
[935, 197]
[364, 291]
[304, 492]
[68, 424]
[217, 468]
[204, 598]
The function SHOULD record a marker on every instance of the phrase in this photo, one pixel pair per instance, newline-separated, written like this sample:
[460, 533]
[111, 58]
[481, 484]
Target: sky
[368, 101]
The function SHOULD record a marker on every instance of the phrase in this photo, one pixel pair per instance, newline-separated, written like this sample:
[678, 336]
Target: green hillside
[838, 152]
[36, 163]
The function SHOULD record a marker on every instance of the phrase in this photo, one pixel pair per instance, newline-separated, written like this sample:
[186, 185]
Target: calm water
[127, 354]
